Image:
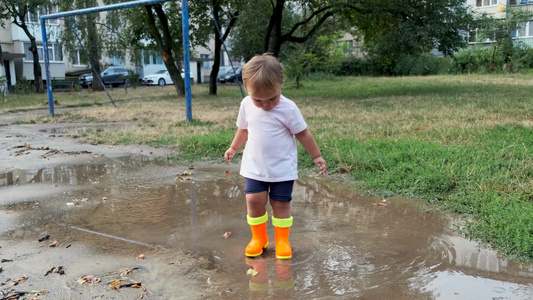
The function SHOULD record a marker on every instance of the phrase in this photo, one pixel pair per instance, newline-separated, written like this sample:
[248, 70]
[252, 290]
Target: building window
[152, 58]
[346, 47]
[524, 29]
[54, 52]
[79, 58]
[115, 61]
[33, 17]
[206, 64]
[486, 2]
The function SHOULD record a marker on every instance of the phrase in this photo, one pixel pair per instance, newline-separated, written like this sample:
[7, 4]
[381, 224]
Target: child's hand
[230, 153]
[321, 164]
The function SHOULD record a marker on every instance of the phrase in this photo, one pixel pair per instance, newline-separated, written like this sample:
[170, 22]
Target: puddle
[345, 246]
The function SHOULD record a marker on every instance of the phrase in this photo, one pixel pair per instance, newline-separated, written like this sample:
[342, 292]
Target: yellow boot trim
[283, 223]
[257, 220]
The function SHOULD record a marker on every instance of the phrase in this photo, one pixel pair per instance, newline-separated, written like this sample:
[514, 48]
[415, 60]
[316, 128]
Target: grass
[464, 143]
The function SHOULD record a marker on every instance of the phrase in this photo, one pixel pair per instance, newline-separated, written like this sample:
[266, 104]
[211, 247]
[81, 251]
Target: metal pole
[47, 68]
[186, 59]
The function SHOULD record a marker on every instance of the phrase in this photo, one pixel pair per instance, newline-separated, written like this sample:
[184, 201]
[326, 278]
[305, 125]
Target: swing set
[186, 50]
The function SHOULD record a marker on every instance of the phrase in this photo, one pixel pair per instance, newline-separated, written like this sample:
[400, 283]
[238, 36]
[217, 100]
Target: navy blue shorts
[279, 191]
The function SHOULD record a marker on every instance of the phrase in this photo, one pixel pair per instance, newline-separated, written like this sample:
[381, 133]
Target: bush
[357, 66]
[24, 87]
[425, 64]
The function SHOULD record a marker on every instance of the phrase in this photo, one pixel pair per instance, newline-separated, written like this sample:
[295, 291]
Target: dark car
[230, 76]
[222, 71]
[114, 76]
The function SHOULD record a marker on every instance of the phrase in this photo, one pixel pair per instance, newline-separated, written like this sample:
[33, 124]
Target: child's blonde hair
[262, 73]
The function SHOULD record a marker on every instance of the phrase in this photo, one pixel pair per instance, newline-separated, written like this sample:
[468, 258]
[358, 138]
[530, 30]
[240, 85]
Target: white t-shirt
[270, 154]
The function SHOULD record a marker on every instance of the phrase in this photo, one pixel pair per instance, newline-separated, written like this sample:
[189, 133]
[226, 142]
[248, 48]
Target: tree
[159, 27]
[501, 31]
[265, 26]
[395, 29]
[225, 13]
[17, 11]
[91, 32]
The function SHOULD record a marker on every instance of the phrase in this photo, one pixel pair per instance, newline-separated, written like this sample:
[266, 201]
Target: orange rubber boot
[259, 236]
[282, 228]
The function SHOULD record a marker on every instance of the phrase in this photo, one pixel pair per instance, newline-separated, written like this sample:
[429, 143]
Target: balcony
[519, 2]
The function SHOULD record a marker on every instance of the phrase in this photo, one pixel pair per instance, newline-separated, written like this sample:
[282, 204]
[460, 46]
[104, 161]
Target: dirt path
[103, 207]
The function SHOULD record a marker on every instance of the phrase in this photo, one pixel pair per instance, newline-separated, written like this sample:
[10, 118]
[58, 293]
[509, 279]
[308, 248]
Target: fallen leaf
[143, 293]
[52, 269]
[203, 213]
[227, 234]
[381, 204]
[88, 279]
[186, 173]
[227, 171]
[10, 283]
[104, 198]
[115, 284]
[9, 212]
[53, 244]
[141, 256]
[252, 272]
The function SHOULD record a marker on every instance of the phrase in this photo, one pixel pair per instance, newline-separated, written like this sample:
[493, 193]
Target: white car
[161, 78]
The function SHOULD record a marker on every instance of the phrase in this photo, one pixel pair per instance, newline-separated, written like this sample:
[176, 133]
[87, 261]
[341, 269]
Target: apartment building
[499, 10]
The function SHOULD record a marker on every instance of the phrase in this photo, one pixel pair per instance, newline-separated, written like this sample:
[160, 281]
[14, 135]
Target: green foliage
[24, 87]
[490, 60]
[134, 78]
[393, 30]
[423, 65]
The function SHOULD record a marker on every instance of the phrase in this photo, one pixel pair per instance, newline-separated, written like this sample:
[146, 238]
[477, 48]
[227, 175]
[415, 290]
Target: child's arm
[240, 138]
[308, 142]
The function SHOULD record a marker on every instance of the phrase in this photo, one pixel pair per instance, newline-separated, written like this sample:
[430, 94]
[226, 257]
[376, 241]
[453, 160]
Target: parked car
[113, 75]
[230, 76]
[222, 71]
[161, 78]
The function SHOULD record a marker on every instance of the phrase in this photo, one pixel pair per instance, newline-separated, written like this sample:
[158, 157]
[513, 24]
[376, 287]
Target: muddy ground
[69, 210]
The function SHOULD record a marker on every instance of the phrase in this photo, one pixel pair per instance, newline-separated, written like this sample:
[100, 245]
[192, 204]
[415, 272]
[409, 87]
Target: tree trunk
[174, 72]
[37, 73]
[274, 45]
[218, 48]
[93, 51]
[163, 39]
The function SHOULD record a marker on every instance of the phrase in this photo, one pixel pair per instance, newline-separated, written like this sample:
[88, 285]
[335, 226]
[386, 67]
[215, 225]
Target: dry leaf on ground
[252, 272]
[89, 279]
[9, 282]
[227, 234]
[53, 244]
[143, 293]
[115, 285]
[141, 256]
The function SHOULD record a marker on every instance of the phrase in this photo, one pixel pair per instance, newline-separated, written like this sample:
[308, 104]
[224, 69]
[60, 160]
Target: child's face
[265, 100]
